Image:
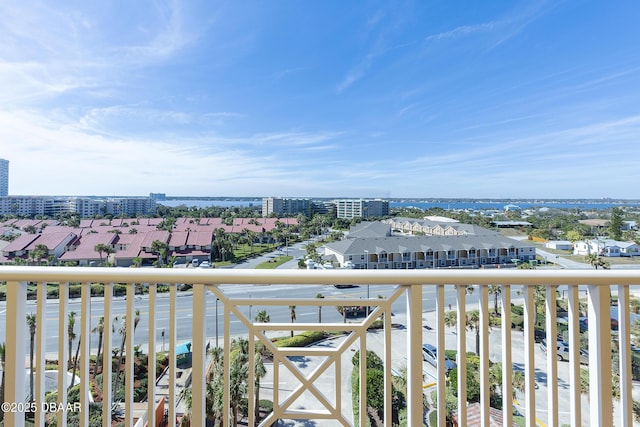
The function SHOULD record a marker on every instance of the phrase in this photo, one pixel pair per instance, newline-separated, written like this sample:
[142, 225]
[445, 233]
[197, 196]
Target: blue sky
[536, 99]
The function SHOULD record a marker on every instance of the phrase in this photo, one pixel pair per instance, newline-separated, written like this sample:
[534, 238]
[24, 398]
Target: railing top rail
[217, 276]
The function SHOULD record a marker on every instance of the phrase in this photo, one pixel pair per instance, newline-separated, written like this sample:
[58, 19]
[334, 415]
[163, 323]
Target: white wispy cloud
[462, 31]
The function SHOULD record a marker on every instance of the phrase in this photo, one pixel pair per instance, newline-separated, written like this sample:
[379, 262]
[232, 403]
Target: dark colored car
[584, 324]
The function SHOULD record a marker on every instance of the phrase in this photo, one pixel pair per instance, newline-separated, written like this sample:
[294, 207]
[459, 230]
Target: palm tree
[239, 373]
[3, 351]
[101, 248]
[263, 317]
[71, 335]
[259, 371]
[596, 261]
[472, 322]
[495, 290]
[123, 332]
[215, 386]
[160, 248]
[31, 322]
[99, 329]
[75, 363]
[39, 253]
[292, 313]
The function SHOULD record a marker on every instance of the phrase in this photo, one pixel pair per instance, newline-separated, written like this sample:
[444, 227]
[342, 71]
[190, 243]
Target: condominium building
[130, 206]
[4, 177]
[285, 206]
[360, 208]
[85, 207]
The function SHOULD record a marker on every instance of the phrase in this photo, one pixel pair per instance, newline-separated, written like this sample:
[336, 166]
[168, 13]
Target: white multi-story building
[130, 206]
[285, 206]
[22, 205]
[360, 208]
[85, 207]
[4, 178]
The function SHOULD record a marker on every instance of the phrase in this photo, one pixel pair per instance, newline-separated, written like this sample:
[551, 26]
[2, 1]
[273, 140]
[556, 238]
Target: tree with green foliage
[31, 322]
[596, 261]
[161, 249]
[123, 333]
[71, 336]
[574, 236]
[101, 248]
[496, 291]
[260, 372]
[615, 224]
[263, 317]
[99, 329]
[39, 253]
[239, 374]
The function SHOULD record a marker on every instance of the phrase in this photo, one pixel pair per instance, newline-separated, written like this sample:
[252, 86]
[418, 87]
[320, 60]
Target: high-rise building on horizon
[4, 177]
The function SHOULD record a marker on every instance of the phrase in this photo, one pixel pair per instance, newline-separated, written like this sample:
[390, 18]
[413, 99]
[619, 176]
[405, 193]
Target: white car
[204, 264]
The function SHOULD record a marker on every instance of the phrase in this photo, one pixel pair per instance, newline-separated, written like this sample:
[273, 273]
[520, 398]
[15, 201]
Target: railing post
[198, 370]
[440, 384]
[483, 312]
[41, 335]
[624, 344]
[14, 390]
[507, 359]
[129, 356]
[552, 352]
[107, 358]
[574, 352]
[63, 351]
[173, 358]
[85, 341]
[414, 356]
[529, 356]
[461, 326]
[600, 384]
[151, 361]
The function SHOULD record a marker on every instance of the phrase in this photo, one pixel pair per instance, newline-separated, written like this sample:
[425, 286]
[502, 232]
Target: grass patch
[274, 263]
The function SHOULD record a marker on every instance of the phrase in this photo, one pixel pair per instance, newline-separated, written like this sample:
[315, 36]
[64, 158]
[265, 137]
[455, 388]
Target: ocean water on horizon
[453, 205]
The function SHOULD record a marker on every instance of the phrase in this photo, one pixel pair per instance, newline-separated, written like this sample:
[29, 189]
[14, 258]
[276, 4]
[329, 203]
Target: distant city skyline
[524, 99]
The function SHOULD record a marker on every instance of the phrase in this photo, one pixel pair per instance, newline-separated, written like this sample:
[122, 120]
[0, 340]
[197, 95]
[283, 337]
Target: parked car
[204, 264]
[430, 355]
[562, 349]
[194, 262]
[584, 324]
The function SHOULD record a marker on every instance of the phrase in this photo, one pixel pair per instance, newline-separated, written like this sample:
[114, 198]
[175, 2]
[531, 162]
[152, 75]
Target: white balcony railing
[404, 289]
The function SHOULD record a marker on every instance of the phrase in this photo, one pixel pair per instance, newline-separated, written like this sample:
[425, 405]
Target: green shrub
[517, 322]
[75, 291]
[377, 324]
[373, 360]
[97, 289]
[266, 405]
[451, 354]
[302, 340]
[517, 309]
[119, 289]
